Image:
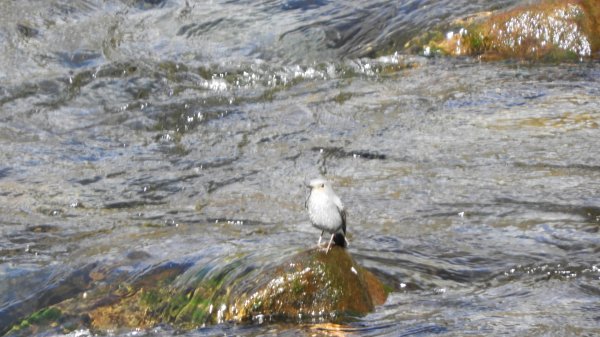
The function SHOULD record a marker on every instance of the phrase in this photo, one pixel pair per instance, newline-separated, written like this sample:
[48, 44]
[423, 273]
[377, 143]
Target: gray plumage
[326, 211]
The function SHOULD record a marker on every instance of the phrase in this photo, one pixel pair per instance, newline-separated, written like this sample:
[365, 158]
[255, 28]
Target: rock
[548, 30]
[309, 285]
[47, 316]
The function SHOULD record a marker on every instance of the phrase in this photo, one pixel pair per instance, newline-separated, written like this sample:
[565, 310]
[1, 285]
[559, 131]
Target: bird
[326, 212]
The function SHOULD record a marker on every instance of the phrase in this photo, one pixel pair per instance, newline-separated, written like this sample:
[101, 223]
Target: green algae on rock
[550, 30]
[48, 316]
[308, 285]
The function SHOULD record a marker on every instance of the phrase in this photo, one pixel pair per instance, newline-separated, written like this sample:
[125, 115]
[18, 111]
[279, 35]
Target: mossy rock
[46, 317]
[312, 284]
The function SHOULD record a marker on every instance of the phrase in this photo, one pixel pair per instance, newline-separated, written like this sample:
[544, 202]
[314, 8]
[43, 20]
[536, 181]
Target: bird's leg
[329, 245]
[320, 237]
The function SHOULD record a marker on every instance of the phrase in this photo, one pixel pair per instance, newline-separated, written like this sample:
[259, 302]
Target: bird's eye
[322, 185]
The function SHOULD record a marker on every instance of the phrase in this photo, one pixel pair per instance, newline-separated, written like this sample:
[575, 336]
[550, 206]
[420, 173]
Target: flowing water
[138, 133]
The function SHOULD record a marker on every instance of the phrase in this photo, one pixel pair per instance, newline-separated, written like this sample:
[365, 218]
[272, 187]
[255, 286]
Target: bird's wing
[343, 215]
[338, 202]
[341, 210]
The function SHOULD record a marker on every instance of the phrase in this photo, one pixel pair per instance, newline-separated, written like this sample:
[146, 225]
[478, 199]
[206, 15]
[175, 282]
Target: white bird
[326, 212]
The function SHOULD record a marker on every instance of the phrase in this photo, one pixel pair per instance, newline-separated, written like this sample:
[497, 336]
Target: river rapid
[138, 133]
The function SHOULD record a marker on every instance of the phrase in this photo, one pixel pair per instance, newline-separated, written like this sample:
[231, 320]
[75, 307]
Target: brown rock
[310, 284]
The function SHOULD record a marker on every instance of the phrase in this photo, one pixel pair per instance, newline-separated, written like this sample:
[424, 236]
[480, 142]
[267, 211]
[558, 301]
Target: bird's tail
[339, 239]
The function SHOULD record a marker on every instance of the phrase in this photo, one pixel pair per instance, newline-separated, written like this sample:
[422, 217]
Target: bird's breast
[324, 214]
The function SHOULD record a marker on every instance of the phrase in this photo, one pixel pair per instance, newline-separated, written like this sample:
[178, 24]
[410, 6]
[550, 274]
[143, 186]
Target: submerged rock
[548, 30]
[309, 285]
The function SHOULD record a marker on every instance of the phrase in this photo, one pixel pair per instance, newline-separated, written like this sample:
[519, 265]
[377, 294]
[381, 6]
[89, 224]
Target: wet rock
[309, 285]
[49, 316]
[548, 30]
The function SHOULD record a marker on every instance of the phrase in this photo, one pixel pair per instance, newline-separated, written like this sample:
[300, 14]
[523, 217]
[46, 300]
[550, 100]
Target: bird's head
[318, 184]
